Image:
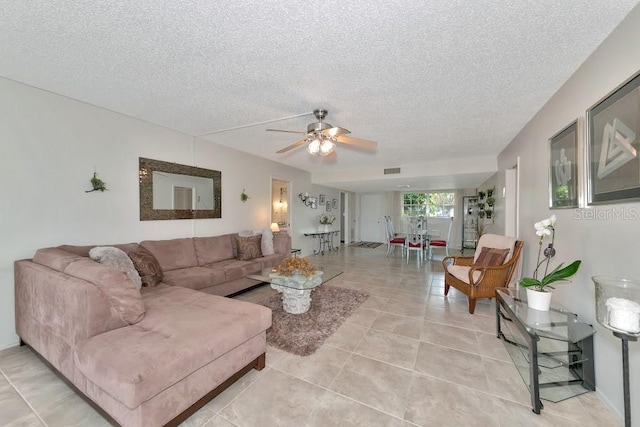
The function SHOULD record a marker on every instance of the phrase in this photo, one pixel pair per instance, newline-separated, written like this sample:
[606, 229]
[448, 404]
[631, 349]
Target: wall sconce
[275, 228]
[305, 199]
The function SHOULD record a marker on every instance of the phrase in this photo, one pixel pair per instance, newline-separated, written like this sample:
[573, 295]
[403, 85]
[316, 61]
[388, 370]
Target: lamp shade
[274, 227]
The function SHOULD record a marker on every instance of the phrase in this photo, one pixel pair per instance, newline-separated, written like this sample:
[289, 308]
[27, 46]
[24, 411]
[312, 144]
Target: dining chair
[416, 237]
[393, 241]
[439, 243]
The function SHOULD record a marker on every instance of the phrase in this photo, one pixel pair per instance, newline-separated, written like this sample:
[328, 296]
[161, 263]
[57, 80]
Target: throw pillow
[248, 247]
[267, 242]
[491, 257]
[108, 255]
[147, 265]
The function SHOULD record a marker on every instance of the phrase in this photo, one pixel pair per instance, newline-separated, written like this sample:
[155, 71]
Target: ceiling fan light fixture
[327, 147]
[314, 146]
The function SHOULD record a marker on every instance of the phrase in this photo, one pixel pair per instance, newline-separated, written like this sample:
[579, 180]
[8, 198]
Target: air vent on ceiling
[391, 171]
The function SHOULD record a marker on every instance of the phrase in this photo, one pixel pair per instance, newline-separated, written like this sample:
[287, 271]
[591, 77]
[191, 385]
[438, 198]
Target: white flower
[543, 232]
[539, 226]
[552, 218]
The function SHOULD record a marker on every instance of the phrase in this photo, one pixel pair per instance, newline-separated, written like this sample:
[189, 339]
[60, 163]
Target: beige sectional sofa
[148, 356]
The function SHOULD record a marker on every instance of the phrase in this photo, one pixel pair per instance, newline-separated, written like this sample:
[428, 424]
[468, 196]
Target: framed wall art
[563, 168]
[321, 199]
[313, 202]
[613, 127]
[328, 206]
[334, 204]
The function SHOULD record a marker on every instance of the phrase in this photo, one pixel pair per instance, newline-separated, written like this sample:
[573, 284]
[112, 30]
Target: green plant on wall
[243, 196]
[97, 184]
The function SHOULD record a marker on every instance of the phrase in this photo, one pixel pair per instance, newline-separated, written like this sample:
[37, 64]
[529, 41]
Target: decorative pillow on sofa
[147, 265]
[249, 247]
[266, 245]
[491, 257]
[108, 255]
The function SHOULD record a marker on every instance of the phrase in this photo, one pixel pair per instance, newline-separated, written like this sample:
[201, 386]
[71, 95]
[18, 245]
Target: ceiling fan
[322, 137]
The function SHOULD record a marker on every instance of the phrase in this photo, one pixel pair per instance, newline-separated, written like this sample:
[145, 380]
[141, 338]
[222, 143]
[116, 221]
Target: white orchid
[546, 227]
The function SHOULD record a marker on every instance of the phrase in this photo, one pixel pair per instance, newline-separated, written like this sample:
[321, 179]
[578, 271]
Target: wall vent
[391, 171]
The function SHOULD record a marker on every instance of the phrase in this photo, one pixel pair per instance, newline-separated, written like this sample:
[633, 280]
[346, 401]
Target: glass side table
[552, 350]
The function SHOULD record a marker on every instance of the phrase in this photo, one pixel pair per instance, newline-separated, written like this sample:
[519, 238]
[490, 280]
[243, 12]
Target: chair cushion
[491, 257]
[497, 242]
[461, 272]
[415, 244]
[399, 240]
[440, 243]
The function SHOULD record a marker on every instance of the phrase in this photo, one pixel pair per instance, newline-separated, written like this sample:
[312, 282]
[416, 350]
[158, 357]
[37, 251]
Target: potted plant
[481, 194]
[491, 201]
[480, 214]
[538, 290]
[489, 212]
[481, 206]
[490, 191]
[326, 221]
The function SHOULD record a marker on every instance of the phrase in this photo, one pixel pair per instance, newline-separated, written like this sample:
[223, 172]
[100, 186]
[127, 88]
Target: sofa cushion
[461, 272]
[249, 247]
[147, 266]
[110, 255]
[182, 331]
[269, 261]
[173, 254]
[194, 277]
[236, 269]
[266, 244]
[495, 241]
[213, 249]
[120, 292]
[84, 250]
[55, 258]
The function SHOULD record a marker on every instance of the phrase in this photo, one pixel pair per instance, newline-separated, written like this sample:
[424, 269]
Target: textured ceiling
[430, 80]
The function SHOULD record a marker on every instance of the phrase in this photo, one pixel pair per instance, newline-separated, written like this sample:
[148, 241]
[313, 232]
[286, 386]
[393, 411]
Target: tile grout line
[33, 411]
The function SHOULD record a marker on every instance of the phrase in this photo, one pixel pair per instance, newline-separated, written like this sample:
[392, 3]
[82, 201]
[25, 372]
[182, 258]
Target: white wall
[606, 247]
[50, 148]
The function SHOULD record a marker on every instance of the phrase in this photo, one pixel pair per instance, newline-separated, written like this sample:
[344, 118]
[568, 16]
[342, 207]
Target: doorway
[370, 225]
[280, 203]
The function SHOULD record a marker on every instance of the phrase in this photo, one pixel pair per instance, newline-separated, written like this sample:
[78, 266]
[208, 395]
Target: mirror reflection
[174, 191]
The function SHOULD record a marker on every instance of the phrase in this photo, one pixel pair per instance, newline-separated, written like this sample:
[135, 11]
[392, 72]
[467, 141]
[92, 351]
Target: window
[435, 205]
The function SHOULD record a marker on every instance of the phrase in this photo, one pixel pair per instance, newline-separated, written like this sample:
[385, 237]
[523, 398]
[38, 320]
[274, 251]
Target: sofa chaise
[146, 356]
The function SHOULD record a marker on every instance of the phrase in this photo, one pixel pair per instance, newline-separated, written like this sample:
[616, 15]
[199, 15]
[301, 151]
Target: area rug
[303, 334]
[370, 245]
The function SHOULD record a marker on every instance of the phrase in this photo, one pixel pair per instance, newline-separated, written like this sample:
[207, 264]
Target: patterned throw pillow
[108, 255]
[147, 265]
[491, 257]
[249, 247]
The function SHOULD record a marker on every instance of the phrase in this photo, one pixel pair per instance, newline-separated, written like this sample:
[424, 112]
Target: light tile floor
[407, 357]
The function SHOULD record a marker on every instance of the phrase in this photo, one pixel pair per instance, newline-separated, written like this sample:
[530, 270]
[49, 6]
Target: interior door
[370, 218]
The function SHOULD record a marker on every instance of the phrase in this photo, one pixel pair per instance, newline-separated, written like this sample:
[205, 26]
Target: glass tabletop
[557, 323]
[269, 275]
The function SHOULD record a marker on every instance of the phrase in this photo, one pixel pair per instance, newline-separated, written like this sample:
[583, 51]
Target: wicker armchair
[481, 282]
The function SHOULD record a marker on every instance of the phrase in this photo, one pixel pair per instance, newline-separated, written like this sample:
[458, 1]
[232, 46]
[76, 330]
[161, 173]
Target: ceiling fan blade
[335, 131]
[288, 131]
[364, 143]
[292, 146]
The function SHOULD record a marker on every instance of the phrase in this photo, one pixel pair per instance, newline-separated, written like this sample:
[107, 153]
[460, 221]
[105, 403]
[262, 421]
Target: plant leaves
[527, 282]
[561, 273]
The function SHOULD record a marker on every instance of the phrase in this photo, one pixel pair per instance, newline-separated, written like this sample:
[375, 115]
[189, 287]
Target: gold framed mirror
[174, 191]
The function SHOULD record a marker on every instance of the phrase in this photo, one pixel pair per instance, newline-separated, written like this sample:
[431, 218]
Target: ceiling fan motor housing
[318, 126]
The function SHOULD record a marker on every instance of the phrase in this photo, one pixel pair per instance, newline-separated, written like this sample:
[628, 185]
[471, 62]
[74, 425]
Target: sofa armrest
[51, 303]
[282, 243]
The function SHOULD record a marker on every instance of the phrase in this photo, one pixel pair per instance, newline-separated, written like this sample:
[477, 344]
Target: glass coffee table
[296, 289]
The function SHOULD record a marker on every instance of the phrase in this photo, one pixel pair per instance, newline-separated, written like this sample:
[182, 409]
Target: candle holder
[618, 309]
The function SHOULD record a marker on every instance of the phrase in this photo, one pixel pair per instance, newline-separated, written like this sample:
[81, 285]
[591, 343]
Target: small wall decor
[243, 196]
[97, 184]
[613, 127]
[334, 203]
[321, 199]
[328, 204]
